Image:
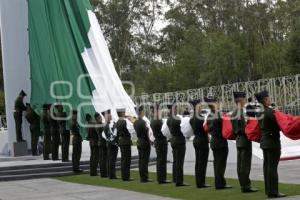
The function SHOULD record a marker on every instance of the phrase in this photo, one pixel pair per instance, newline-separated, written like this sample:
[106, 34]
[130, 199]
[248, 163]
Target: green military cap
[105, 112]
[22, 93]
[140, 109]
[261, 95]
[88, 117]
[210, 99]
[96, 115]
[121, 110]
[195, 102]
[169, 106]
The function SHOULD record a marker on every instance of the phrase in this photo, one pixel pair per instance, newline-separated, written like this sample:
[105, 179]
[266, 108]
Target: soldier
[102, 146]
[94, 147]
[143, 145]
[178, 146]
[112, 146]
[54, 130]
[124, 130]
[201, 145]
[64, 133]
[270, 144]
[34, 121]
[18, 114]
[47, 133]
[244, 146]
[218, 144]
[161, 146]
[77, 143]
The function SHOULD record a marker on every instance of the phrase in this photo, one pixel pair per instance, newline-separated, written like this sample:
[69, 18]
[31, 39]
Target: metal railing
[283, 91]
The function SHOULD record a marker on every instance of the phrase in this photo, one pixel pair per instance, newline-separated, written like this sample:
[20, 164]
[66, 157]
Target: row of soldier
[55, 129]
[106, 137]
[124, 128]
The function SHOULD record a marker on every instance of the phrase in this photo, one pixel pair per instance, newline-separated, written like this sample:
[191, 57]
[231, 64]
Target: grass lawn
[188, 193]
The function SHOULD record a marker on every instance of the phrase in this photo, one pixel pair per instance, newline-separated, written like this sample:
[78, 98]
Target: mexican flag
[56, 52]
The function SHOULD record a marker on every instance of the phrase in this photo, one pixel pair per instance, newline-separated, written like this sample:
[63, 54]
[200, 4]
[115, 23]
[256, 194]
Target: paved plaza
[49, 189]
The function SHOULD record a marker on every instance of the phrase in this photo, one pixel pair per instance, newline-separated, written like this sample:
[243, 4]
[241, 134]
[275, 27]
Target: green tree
[293, 51]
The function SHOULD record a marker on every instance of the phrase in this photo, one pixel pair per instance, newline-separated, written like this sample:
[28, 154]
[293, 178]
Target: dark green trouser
[55, 144]
[103, 160]
[65, 143]
[144, 155]
[125, 161]
[202, 152]
[271, 161]
[34, 140]
[47, 145]
[161, 160]
[76, 155]
[178, 162]
[220, 162]
[244, 157]
[112, 153]
[18, 121]
[94, 159]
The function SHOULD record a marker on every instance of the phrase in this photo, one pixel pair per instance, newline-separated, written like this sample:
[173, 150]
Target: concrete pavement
[50, 189]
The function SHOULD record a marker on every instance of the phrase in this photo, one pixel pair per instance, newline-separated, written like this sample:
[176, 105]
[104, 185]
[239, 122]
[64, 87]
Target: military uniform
[54, 130]
[179, 147]
[102, 153]
[18, 114]
[244, 149]
[77, 146]
[47, 135]
[94, 147]
[201, 145]
[144, 148]
[65, 136]
[112, 150]
[161, 146]
[34, 121]
[271, 146]
[219, 147]
[124, 141]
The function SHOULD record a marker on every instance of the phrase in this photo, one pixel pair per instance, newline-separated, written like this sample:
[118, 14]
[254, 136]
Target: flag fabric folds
[70, 61]
[252, 130]
[289, 125]
[227, 129]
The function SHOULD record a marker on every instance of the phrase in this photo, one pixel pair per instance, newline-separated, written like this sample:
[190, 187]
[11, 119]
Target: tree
[293, 51]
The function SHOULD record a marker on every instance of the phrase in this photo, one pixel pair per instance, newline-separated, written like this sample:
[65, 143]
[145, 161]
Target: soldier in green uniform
[54, 130]
[34, 121]
[77, 143]
[143, 145]
[64, 133]
[94, 147]
[270, 144]
[201, 145]
[112, 146]
[178, 145]
[102, 146]
[124, 140]
[218, 144]
[18, 114]
[161, 146]
[47, 134]
[244, 146]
